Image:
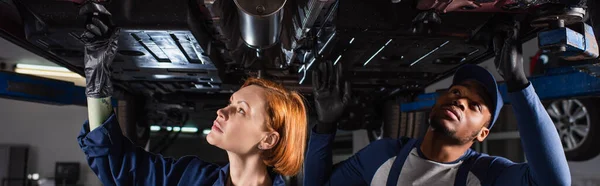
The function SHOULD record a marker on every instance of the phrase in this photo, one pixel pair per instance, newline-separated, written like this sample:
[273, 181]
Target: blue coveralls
[546, 166]
[117, 161]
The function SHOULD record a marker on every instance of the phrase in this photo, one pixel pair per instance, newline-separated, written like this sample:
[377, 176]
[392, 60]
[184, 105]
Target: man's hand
[331, 98]
[100, 40]
[509, 57]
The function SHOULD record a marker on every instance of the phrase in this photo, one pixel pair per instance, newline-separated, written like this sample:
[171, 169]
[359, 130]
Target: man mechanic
[460, 117]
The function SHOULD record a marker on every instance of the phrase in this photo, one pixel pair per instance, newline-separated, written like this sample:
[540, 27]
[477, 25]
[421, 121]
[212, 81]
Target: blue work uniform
[400, 162]
[117, 161]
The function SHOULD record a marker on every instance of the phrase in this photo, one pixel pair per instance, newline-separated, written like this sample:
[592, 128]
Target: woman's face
[240, 126]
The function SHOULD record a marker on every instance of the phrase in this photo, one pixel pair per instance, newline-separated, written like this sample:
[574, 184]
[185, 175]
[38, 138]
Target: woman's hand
[101, 41]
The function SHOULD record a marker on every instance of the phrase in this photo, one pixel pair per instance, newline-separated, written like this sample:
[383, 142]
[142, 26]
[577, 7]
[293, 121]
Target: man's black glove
[331, 98]
[509, 58]
[100, 39]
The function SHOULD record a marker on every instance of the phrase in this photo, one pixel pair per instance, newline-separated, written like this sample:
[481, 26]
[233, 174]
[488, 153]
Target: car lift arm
[39, 89]
[557, 83]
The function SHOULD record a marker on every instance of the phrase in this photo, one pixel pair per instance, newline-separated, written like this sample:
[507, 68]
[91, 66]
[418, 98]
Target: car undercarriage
[189, 56]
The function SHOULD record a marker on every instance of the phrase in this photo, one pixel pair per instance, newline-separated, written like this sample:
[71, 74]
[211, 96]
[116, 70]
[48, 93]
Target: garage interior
[51, 141]
[38, 140]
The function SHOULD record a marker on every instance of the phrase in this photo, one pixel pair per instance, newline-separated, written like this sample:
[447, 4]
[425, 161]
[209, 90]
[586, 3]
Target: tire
[576, 121]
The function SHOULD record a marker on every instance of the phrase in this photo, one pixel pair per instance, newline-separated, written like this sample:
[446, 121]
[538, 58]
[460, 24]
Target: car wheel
[576, 122]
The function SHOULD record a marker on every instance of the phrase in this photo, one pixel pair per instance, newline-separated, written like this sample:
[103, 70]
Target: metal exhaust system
[260, 22]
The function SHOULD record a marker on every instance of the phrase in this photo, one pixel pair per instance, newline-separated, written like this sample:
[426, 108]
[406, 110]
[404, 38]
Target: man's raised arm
[547, 164]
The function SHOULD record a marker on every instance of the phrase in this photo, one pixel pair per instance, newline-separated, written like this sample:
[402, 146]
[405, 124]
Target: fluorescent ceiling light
[155, 128]
[161, 76]
[189, 129]
[206, 131]
[376, 53]
[50, 72]
[42, 67]
[47, 73]
[338, 59]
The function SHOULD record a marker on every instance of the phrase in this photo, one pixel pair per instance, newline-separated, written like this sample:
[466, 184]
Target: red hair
[286, 114]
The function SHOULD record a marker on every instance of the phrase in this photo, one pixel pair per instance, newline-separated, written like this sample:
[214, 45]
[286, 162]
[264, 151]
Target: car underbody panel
[179, 52]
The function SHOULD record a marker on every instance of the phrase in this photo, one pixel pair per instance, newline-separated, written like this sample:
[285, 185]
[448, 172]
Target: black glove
[331, 98]
[509, 58]
[100, 40]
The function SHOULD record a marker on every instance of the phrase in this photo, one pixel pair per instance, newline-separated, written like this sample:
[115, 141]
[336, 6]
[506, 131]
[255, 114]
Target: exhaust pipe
[260, 22]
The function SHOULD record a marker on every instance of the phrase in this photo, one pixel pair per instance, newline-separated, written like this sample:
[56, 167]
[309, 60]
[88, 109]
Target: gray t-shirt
[420, 171]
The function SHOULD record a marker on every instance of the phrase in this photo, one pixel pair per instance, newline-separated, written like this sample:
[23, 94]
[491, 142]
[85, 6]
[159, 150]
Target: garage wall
[50, 141]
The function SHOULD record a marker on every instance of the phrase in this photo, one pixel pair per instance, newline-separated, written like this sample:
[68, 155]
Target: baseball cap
[485, 78]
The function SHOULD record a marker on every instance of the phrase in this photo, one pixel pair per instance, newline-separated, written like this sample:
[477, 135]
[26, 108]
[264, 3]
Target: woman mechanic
[263, 129]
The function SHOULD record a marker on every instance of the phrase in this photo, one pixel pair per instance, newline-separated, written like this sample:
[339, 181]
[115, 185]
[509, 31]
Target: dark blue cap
[485, 78]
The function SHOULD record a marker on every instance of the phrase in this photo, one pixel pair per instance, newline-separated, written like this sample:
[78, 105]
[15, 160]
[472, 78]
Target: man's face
[462, 113]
